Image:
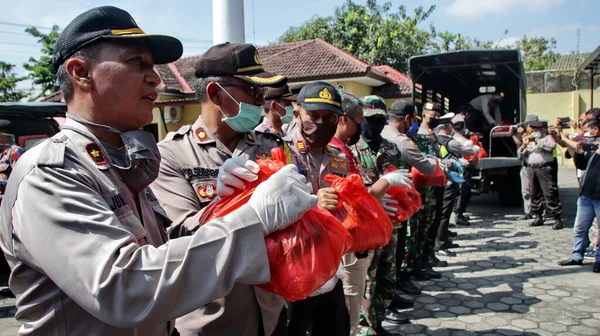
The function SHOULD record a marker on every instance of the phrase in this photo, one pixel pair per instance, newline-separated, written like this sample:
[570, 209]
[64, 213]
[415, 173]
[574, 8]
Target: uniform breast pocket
[206, 190]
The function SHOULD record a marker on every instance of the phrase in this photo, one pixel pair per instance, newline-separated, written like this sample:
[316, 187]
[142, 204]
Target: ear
[212, 93]
[80, 72]
[272, 106]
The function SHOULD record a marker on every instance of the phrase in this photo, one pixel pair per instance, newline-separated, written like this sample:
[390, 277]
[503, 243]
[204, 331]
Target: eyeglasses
[257, 91]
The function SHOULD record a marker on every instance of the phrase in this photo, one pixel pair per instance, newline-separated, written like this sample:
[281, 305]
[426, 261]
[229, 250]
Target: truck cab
[453, 79]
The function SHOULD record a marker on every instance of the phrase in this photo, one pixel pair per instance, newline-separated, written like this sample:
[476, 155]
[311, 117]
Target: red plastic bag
[438, 179]
[409, 199]
[306, 254]
[360, 213]
[303, 256]
[481, 154]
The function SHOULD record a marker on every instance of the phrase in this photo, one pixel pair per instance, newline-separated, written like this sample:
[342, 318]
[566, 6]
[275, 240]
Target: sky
[266, 20]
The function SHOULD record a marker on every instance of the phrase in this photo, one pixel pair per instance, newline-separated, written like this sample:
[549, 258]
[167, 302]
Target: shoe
[525, 217]
[467, 217]
[596, 267]
[557, 224]
[461, 220]
[401, 303]
[589, 254]
[408, 287]
[438, 263]
[452, 234]
[445, 246]
[395, 317]
[446, 253]
[538, 221]
[419, 275]
[570, 262]
[432, 273]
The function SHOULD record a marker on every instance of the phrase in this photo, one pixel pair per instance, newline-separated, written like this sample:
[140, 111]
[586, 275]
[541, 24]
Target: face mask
[317, 135]
[372, 128]
[537, 135]
[142, 155]
[355, 136]
[434, 122]
[247, 118]
[289, 114]
[414, 127]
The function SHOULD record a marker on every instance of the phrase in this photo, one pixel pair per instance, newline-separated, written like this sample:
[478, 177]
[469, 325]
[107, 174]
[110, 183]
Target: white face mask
[537, 135]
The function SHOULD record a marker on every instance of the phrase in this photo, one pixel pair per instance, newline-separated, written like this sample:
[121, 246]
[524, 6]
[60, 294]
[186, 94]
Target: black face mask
[355, 136]
[317, 135]
[372, 128]
[434, 122]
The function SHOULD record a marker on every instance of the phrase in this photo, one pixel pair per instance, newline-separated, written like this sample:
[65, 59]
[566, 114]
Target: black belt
[540, 165]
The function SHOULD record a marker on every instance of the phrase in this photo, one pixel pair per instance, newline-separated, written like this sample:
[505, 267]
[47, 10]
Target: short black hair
[593, 113]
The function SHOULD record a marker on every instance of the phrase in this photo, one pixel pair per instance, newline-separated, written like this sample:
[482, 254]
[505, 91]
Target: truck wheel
[509, 188]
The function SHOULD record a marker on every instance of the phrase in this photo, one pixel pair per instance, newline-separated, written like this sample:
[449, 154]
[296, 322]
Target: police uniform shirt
[266, 126]
[187, 182]
[316, 164]
[410, 153]
[540, 152]
[454, 147]
[87, 259]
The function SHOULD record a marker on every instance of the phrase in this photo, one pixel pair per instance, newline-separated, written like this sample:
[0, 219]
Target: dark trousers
[449, 198]
[543, 182]
[323, 315]
[464, 192]
[281, 327]
[432, 234]
[401, 255]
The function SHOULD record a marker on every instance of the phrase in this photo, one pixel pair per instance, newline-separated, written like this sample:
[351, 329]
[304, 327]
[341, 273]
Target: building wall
[355, 88]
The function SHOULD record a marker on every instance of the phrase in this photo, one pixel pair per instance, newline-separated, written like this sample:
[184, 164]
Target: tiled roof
[568, 62]
[403, 84]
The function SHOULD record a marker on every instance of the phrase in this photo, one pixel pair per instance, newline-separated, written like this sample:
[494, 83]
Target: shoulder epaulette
[180, 132]
[53, 154]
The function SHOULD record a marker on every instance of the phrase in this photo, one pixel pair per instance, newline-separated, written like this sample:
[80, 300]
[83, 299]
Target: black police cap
[318, 96]
[112, 23]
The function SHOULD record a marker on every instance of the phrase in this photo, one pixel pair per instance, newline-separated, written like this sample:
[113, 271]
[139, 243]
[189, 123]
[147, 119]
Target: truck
[453, 79]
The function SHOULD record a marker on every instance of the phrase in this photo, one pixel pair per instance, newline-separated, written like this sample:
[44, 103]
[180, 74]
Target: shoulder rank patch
[273, 129]
[207, 191]
[249, 137]
[96, 153]
[201, 134]
[338, 159]
[301, 146]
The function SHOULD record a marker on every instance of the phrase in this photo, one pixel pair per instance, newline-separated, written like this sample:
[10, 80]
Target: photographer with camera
[587, 158]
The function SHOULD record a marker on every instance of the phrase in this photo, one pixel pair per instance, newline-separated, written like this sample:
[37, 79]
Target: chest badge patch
[273, 129]
[301, 146]
[96, 153]
[207, 191]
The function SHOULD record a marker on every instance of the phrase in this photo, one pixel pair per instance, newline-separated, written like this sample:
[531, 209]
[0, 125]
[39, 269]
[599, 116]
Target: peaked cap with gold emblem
[238, 60]
[318, 96]
[108, 22]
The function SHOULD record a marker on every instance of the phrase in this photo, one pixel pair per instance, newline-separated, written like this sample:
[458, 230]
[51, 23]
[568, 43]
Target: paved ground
[504, 280]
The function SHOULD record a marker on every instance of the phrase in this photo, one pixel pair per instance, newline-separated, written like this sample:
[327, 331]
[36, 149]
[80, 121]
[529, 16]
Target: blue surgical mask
[247, 118]
[289, 114]
[414, 127]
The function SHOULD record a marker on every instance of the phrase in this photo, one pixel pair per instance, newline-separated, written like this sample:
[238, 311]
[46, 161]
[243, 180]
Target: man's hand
[233, 175]
[399, 177]
[327, 198]
[573, 124]
[282, 199]
[385, 202]
[528, 140]
[521, 130]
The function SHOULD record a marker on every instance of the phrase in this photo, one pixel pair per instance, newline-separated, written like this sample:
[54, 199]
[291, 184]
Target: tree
[41, 70]
[371, 32]
[447, 41]
[537, 52]
[8, 84]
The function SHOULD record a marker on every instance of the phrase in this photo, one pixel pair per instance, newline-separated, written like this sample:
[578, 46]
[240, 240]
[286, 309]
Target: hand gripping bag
[482, 152]
[303, 256]
[409, 199]
[360, 213]
[438, 179]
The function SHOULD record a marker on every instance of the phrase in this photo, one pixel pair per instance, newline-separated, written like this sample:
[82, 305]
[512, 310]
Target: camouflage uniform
[382, 273]
[420, 222]
[8, 159]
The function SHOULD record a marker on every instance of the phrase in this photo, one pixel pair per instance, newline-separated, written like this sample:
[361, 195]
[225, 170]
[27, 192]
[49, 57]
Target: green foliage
[537, 52]
[40, 70]
[8, 84]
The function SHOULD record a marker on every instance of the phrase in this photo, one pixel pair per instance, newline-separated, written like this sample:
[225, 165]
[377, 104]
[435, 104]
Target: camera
[589, 147]
[564, 122]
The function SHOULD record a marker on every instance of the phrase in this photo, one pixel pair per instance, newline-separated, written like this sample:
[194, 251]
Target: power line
[14, 33]
[22, 25]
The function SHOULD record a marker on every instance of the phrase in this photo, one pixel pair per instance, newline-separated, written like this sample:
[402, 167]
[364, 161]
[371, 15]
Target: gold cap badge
[325, 94]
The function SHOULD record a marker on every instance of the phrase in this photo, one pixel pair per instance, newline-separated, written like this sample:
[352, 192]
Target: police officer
[279, 109]
[451, 148]
[373, 154]
[317, 114]
[402, 118]
[537, 150]
[231, 99]
[84, 235]
[10, 153]
[526, 172]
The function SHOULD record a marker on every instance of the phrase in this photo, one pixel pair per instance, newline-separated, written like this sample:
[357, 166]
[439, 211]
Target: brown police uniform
[187, 182]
